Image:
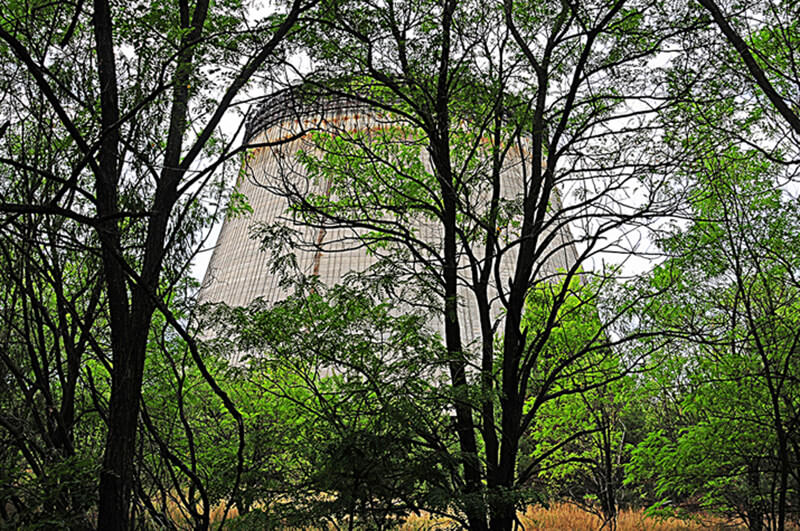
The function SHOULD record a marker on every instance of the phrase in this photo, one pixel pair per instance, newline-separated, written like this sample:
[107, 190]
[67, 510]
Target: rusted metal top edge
[295, 103]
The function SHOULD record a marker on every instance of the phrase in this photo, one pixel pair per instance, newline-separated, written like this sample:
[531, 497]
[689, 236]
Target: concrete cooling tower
[275, 182]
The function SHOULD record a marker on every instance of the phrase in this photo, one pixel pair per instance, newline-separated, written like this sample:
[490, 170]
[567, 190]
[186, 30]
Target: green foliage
[339, 402]
[238, 205]
[38, 501]
[732, 301]
[355, 177]
[584, 425]
[112, 167]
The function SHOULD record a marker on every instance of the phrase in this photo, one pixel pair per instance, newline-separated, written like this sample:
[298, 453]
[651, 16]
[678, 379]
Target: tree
[584, 433]
[741, 57]
[732, 306]
[134, 109]
[52, 321]
[487, 110]
[738, 118]
[766, 38]
[505, 126]
[348, 392]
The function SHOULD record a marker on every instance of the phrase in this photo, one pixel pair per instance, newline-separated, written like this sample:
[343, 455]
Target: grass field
[570, 518]
[567, 517]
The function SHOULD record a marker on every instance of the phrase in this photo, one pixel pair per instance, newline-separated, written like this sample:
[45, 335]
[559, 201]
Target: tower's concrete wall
[239, 271]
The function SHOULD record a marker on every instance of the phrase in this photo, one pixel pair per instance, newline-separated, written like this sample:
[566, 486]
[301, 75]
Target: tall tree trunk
[439, 131]
[117, 472]
[783, 472]
[465, 425]
[116, 478]
[755, 508]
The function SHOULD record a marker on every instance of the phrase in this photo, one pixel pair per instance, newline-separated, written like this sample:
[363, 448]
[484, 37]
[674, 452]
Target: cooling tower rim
[296, 102]
[307, 99]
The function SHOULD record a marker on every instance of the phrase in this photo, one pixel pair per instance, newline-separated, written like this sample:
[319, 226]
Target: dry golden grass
[568, 517]
[219, 510]
[563, 516]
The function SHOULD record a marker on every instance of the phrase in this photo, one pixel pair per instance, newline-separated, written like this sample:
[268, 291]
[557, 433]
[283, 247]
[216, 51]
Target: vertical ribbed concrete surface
[239, 271]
